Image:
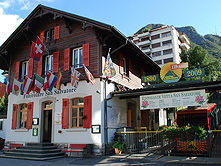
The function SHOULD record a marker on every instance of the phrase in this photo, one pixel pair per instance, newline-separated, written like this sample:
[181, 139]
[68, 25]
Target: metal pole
[105, 118]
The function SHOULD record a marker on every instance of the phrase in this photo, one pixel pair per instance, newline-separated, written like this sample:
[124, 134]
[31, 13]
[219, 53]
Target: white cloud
[11, 22]
[6, 4]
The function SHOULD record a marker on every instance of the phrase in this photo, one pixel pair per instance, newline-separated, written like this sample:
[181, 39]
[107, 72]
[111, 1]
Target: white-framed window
[48, 63]
[77, 57]
[24, 69]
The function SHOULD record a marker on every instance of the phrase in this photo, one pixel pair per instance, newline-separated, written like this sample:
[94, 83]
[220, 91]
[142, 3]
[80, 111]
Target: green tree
[3, 105]
[4, 102]
[197, 57]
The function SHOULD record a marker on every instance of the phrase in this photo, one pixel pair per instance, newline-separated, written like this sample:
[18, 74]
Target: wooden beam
[85, 25]
[68, 25]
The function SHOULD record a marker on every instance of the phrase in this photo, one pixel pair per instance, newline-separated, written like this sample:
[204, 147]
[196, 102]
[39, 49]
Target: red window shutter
[30, 67]
[55, 62]
[121, 64]
[66, 59]
[39, 67]
[42, 36]
[17, 65]
[56, 32]
[65, 114]
[29, 115]
[14, 116]
[87, 111]
[86, 54]
[130, 72]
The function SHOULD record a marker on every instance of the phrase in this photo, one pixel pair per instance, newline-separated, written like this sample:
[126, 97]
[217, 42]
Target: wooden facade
[71, 31]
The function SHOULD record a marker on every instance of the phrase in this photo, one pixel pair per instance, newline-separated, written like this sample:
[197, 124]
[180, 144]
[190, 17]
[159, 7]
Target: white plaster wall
[73, 135]
[3, 131]
[162, 117]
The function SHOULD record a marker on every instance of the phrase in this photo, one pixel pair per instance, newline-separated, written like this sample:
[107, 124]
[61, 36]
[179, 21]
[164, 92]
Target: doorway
[47, 121]
[131, 115]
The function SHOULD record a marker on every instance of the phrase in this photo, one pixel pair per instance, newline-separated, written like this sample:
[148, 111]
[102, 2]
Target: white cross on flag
[39, 48]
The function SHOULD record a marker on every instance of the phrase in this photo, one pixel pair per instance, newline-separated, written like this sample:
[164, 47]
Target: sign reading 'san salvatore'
[48, 93]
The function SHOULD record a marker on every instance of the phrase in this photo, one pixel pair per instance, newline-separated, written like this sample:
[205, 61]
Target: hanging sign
[170, 72]
[179, 66]
[150, 78]
[194, 73]
[176, 99]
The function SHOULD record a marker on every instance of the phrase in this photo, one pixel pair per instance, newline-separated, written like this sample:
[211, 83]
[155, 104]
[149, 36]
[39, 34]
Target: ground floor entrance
[47, 121]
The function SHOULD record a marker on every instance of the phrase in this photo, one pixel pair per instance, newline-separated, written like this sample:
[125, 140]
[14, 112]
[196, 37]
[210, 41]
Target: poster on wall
[175, 99]
[57, 118]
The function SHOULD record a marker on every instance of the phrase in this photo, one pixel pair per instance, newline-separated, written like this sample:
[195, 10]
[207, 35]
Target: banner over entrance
[176, 99]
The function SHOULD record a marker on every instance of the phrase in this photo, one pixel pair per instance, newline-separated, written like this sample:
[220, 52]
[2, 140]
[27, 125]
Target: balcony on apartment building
[184, 38]
[146, 50]
[142, 35]
[143, 43]
[184, 46]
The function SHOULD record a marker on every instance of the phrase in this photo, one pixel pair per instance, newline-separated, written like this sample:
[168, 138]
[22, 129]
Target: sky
[128, 16]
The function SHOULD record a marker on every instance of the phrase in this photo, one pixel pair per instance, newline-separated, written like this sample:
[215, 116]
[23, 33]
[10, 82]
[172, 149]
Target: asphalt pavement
[117, 160]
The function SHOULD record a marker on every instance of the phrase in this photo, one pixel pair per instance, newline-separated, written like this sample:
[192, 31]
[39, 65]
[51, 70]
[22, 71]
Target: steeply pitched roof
[41, 10]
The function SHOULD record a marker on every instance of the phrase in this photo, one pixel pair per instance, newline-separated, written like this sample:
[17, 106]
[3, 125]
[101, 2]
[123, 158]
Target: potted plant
[118, 144]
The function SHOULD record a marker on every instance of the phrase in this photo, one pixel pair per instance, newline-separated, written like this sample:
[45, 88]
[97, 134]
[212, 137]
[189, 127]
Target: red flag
[2, 89]
[32, 53]
[39, 49]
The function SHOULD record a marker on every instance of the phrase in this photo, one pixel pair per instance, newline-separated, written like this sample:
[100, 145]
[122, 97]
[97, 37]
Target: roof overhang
[211, 86]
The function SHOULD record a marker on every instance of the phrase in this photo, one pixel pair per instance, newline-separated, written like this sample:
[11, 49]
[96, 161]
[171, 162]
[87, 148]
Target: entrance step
[35, 151]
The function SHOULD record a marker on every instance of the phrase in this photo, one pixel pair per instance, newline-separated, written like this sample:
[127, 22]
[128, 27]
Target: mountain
[211, 43]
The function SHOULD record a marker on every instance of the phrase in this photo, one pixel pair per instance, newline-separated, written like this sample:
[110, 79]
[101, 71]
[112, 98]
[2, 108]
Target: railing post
[209, 142]
[162, 144]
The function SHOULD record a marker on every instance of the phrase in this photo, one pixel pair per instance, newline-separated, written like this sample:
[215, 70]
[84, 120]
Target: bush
[118, 142]
[185, 133]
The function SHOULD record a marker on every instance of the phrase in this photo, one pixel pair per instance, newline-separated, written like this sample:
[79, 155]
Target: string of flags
[48, 83]
[27, 85]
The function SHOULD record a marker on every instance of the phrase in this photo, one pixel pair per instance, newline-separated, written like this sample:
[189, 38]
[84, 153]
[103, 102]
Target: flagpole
[105, 117]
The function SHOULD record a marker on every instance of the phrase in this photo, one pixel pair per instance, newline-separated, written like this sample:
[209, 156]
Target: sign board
[150, 78]
[179, 66]
[168, 75]
[57, 118]
[176, 99]
[194, 73]
[96, 129]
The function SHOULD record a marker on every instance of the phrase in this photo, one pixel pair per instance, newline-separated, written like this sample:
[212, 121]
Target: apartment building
[163, 44]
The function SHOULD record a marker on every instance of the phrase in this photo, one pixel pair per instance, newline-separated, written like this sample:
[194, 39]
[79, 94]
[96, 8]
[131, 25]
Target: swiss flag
[39, 48]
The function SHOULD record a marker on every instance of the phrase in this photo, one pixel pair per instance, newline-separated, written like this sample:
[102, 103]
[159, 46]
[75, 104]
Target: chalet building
[73, 115]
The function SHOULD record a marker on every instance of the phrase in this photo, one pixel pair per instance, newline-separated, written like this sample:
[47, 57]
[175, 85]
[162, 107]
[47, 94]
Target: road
[100, 161]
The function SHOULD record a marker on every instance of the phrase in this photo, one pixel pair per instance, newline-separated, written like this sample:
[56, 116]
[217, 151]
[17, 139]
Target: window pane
[75, 58]
[51, 65]
[46, 64]
[81, 101]
[81, 57]
[74, 112]
[81, 111]
[80, 122]
[74, 122]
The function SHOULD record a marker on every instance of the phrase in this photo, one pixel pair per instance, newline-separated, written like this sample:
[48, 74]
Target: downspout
[105, 103]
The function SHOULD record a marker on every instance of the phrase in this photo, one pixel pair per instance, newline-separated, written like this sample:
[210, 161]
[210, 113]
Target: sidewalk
[180, 159]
